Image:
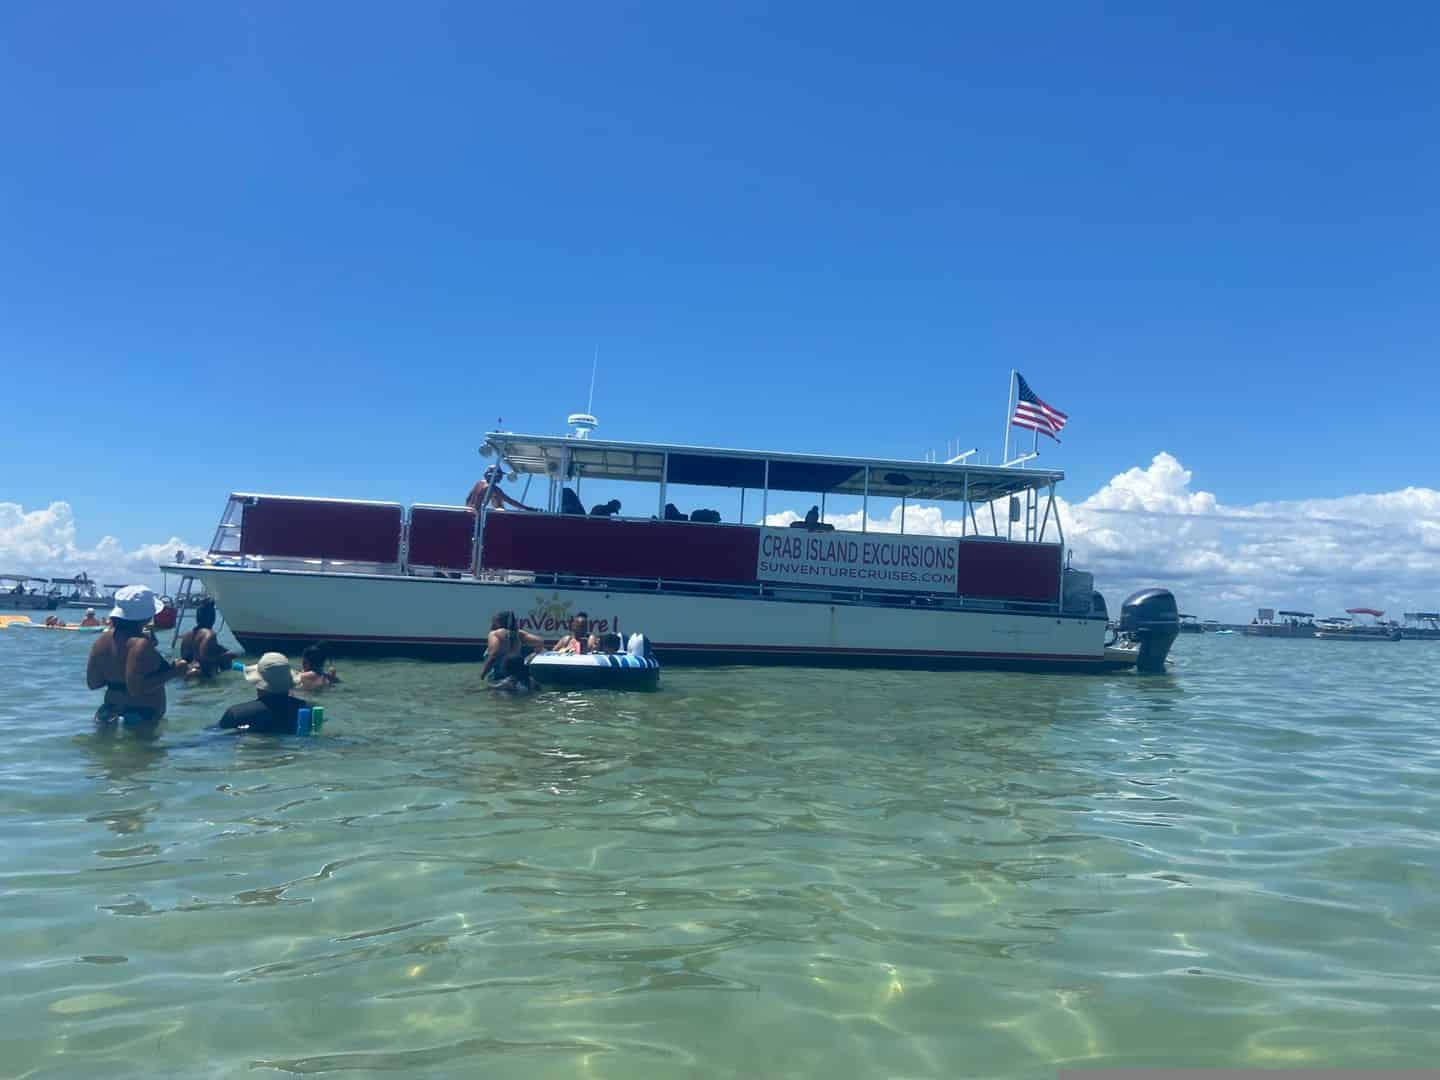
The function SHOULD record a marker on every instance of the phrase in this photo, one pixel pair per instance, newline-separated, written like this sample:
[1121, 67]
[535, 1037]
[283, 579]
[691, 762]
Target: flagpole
[1009, 415]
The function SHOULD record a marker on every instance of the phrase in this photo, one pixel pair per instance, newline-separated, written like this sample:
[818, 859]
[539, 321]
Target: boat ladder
[187, 583]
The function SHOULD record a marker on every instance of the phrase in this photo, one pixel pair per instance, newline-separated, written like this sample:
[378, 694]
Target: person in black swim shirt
[275, 710]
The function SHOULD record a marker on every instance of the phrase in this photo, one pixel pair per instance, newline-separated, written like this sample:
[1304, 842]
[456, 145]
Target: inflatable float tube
[42, 626]
[595, 671]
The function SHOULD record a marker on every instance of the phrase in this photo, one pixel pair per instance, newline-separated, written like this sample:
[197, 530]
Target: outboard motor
[1151, 618]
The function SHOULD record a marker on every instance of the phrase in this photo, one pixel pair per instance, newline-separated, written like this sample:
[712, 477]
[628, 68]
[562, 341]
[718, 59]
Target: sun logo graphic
[549, 613]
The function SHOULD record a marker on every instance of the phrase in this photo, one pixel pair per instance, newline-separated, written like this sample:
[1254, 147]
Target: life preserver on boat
[634, 669]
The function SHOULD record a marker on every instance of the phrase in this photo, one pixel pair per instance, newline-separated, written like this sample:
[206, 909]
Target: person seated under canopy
[812, 522]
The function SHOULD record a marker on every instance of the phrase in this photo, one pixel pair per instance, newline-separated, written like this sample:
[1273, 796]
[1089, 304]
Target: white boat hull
[450, 618]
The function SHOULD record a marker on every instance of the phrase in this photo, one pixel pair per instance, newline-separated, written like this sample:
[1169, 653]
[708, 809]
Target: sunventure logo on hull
[552, 614]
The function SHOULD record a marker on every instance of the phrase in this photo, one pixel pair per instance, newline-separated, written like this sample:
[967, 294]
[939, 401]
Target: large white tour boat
[376, 578]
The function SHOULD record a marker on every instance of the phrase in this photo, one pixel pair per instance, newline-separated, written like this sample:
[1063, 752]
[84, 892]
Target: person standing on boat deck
[578, 639]
[505, 649]
[125, 661]
[201, 646]
[275, 711]
[488, 486]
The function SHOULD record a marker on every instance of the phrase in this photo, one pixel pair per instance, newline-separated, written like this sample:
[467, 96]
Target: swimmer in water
[201, 646]
[313, 674]
[275, 711]
[90, 619]
[125, 661]
[505, 654]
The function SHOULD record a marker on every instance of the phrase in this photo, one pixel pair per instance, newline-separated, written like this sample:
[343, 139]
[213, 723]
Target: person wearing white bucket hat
[125, 661]
[275, 711]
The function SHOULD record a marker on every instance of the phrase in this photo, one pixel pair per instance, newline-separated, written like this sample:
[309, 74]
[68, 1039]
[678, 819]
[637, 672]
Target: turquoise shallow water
[750, 873]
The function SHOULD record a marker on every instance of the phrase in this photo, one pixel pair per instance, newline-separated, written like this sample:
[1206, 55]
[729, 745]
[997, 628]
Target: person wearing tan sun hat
[275, 711]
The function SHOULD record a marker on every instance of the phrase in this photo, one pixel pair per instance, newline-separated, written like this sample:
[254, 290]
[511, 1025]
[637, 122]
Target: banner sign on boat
[864, 561]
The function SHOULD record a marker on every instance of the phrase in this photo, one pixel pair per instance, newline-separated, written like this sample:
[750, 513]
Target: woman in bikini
[125, 661]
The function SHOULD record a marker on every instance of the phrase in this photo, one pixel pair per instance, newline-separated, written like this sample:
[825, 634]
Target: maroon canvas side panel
[321, 529]
[681, 551]
[1004, 571]
[442, 537]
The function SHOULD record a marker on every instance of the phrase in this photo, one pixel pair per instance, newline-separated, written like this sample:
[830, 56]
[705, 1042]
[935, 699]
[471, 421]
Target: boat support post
[865, 503]
[1046, 519]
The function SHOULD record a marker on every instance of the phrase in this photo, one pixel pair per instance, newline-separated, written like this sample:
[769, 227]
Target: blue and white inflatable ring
[636, 669]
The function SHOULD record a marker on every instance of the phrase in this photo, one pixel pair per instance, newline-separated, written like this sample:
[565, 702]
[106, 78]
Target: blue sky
[320, 248]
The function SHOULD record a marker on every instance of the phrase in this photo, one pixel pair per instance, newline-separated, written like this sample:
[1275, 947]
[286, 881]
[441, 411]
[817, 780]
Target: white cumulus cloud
[42, 543]
[1152, 526]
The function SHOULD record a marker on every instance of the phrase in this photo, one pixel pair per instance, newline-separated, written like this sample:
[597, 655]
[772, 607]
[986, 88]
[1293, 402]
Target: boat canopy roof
[22, 577]
[1299, 614]
[1363, 611]
[1422, 614]
[711, 467]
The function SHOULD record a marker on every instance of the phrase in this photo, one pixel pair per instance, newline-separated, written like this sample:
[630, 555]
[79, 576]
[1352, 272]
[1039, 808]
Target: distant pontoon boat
[1290, 624]
[1345, 628]
[1421, 626]
[20, 592]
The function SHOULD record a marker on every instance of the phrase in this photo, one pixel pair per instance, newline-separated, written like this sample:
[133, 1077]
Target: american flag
[1032, 413]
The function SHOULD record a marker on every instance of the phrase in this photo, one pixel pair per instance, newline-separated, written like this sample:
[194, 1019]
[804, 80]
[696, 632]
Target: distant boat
[1223, 632]
[1290, 624]
[1345, 628]
[20, 592]
[1189, 624]
[81, 592]
[1421, 626]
